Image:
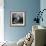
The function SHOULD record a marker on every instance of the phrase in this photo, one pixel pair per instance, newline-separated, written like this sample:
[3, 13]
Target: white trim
[1, 20]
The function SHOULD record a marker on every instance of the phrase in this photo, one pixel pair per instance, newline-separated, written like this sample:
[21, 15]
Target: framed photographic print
[17, 19]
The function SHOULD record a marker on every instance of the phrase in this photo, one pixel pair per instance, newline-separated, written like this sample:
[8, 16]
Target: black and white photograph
[17, 18]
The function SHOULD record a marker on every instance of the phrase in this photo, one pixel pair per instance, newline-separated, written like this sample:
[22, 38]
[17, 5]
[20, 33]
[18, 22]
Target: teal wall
[30, 7]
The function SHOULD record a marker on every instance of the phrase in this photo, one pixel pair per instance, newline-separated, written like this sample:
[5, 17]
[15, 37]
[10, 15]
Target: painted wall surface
[30, 7]
[43, 6]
